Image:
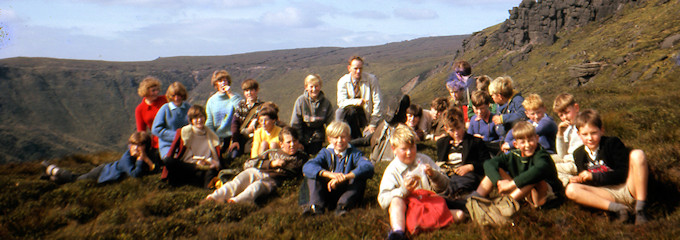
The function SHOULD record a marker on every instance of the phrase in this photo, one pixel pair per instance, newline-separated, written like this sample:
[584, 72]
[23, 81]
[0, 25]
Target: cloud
[369, 14]
[182, 3]
[290, 17]
[416, 14]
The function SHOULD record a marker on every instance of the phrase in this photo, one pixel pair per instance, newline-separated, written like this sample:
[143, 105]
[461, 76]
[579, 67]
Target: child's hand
[339, 177]
[428, 170]
[562, 127]
[497, 120]
[462, 170]
[332, 184]
[412, 183]
[506, 186]
[581, 177]
[277, 163]
[234, 145]
[478, 135]
[505, 147]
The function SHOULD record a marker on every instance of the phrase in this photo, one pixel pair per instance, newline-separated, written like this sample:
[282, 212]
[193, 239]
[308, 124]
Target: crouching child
[268, 171]
[527, 172]
[337, 176]
[406, 173]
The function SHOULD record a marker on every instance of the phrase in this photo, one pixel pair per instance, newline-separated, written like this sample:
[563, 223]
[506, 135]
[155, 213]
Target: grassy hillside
[53, 107]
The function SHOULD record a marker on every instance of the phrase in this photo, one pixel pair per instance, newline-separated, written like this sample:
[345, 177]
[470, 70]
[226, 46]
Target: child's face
[527, 145]
[435, 113]
[455, 133]
[313, 89]
[136, 149]
[569, 114]
[406, 153]
[250, 94]
[340, 143]
[482, 110]
[152, 93]
[535, 115]
[266, 122]
[590, 135]
[288, 144]
[198, 122]
[497, 98]
[177, 99]
[412, 120]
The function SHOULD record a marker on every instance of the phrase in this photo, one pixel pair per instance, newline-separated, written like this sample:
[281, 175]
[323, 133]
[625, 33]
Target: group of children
[483, 143]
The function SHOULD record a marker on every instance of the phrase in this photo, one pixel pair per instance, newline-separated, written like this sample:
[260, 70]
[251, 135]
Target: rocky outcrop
[535, 22]
[583, 72]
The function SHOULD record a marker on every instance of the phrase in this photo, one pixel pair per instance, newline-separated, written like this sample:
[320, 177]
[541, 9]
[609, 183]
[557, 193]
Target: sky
[141, 30]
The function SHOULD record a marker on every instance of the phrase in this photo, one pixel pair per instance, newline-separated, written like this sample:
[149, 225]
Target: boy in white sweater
[407, 172]
[567, 139]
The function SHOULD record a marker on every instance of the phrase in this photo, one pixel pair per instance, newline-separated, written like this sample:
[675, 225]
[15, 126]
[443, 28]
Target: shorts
[620, 193]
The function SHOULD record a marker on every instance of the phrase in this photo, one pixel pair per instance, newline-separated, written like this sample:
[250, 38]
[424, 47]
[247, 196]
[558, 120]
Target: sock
[475, 194]
[639, 205]
[51, 169]
[396, 229]
[615, 207]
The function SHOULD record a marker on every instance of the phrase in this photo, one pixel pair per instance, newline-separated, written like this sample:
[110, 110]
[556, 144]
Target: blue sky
[140, 30]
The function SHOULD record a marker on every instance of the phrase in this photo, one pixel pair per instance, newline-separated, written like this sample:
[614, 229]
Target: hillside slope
[52, 107]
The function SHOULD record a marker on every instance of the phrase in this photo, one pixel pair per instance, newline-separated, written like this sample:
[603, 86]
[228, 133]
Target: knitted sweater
[311, 117]
[128, 165]
[546, 129]
[220, 110]
[168, 119]
[145, 113]
[524, 170]
[392, 184]
[353, 161]
[610, 166]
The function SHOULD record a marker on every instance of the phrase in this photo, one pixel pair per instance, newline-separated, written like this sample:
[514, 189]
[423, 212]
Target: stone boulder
[583, 72]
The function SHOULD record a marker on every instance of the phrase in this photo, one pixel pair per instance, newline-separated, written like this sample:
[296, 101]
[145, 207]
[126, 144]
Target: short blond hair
[336, 129]
[312, 79]
[502, 86]
[402, 134]
[523, 130]
[533, 102]
[176, 88]
[562, 102]
[218, 75]
[146, 84]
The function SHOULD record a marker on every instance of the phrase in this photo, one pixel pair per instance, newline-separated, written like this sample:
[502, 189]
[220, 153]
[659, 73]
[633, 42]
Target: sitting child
[460, 154]
[407, 172]
[139, 160]
[611, 177]
[414, 117]
[220, 108]
[244, 121]
[267, 135]
[544, 124]
[481, 125]
[510, 109]
[268, 172]
[526, 171]
[311, 113]
[194, 156]
[567, 139]
[457, 97]
[438, 106]
[337, 175]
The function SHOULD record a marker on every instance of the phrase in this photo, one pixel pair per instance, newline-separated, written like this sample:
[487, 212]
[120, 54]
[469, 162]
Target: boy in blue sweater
[545, 126]
[611, 177]
[220, 108]
[337, 176]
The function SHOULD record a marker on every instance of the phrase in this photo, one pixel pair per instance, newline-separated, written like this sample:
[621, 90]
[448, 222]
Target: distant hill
[52, 107]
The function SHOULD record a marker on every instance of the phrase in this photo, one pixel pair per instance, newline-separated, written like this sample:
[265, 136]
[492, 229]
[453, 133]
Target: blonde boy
[567, 139]
[337, 176]
[311, 114]
[545, 126]
[407, 172]
[525, 171]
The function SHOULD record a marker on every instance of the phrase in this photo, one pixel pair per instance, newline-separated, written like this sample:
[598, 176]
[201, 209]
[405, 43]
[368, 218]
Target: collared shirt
[592, 154]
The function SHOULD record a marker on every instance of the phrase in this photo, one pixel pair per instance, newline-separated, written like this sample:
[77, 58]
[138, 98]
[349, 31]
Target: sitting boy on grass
[311, 113]
[611, 177]
[268, 172]
[481, 124]
[437, 108]
[567, 139]
[545, 126]
[461, 154]
[407, 172]
[527, 171]
[267, 135]
[337, 176]
[509, 100]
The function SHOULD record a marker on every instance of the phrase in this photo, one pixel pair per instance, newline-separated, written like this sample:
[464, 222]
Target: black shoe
[396, 235]
[622, 216]
[312, 210]
[340, 212]
[640, 218]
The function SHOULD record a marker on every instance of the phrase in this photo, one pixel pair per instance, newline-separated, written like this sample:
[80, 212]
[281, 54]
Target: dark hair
[588, 116]
[479, 98]
[453, 118]
[140, 138]
[440, 104]
[415, 110]
[269, 112]
[290, 131]
[196, 111]
[250, 84]
[467, 69]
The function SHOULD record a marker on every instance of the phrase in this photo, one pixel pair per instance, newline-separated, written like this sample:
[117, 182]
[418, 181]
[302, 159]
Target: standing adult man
[359, 99]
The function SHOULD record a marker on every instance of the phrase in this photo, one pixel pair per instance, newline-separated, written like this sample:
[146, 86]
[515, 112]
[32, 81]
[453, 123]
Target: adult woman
[146, 111]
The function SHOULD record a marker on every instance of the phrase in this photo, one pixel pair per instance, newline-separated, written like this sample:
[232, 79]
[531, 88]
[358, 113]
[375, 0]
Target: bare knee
[571, 191]
[637, 158]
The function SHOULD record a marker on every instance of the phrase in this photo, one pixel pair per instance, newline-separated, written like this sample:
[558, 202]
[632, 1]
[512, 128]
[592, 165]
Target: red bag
[426, 211]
